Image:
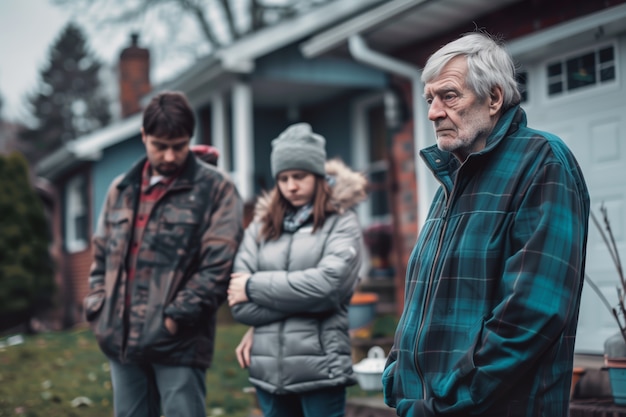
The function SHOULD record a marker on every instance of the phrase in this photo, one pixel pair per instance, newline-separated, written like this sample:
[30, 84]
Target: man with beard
[493, 284]
[163, 253]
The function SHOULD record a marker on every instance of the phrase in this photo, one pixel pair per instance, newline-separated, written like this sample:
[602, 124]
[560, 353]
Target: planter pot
[615, 361]
[361, 314]
[577, 373]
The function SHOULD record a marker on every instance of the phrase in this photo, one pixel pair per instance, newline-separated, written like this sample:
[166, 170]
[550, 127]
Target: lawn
[63, 374]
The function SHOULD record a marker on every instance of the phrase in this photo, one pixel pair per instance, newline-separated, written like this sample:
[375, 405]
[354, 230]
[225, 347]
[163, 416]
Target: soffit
[399, 23]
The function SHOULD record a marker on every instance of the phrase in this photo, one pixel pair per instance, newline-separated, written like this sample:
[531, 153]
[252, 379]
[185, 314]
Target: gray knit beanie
[299, 148]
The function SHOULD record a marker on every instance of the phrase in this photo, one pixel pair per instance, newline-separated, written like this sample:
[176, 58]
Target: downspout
[361, 52]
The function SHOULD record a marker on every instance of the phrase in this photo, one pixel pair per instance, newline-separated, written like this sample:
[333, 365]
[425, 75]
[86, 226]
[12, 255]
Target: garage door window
[588, 69]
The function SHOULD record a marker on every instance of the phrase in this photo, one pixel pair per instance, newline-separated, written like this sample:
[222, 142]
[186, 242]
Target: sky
[28, 28]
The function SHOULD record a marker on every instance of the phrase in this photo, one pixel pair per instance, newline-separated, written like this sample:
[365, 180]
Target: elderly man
[493, 285]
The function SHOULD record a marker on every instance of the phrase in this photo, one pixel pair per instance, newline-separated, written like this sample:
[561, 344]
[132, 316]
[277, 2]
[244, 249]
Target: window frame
[76, 206]
[563, 60]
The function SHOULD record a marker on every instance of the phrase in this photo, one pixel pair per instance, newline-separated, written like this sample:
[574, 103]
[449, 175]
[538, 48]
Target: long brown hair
[278, 207]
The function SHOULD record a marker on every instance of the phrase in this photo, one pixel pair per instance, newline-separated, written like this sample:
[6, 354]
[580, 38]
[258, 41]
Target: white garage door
[591, 118]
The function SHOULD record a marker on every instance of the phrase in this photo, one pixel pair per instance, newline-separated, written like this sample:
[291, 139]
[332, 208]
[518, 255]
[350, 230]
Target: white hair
[488, 65]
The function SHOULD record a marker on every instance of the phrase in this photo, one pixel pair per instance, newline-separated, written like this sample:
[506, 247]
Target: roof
[239, 56]
[397, 23]
[88, 147]
[211, 72]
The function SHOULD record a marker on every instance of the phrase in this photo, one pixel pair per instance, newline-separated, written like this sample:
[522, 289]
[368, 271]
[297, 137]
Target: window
[76, 227]
[522, 84]
[377, 170]
[588, 69]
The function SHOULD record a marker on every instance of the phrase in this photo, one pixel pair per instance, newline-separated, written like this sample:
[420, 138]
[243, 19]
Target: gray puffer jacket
[300, 289]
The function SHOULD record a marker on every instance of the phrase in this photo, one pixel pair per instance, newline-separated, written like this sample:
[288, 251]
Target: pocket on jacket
[93, 304]
[302, 337]
[176, 228]
[388, 388]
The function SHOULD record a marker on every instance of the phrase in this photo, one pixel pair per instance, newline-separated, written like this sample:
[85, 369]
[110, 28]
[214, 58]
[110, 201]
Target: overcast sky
[28, 29]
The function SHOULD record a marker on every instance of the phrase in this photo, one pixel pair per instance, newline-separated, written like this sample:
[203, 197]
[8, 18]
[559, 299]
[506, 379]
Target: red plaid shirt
[149, 196]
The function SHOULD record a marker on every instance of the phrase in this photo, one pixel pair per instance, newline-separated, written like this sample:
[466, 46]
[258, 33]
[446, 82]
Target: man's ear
[495, 100]
[143, 135]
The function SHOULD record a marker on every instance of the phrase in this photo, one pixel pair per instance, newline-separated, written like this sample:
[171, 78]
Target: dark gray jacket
[300, 290]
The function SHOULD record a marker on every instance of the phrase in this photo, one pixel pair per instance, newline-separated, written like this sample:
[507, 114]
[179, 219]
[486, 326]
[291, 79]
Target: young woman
[294, 274]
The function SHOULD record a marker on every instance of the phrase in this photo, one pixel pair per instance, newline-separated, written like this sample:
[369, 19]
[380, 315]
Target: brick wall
[77, 267]
[404, 204]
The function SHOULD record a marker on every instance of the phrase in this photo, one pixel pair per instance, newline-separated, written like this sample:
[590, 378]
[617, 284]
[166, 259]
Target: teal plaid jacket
[493, 284]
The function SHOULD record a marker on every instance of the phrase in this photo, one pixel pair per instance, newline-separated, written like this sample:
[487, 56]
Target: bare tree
[219, 22]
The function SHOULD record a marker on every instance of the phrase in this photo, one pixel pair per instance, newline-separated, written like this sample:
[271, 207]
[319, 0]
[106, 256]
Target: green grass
[42, 376]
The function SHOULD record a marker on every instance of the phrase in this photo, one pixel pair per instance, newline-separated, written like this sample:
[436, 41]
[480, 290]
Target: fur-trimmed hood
[348, 190]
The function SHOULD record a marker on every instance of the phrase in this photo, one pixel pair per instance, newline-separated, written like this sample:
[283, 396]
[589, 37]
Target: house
[572, 58]
[244, 95]
[352, 69]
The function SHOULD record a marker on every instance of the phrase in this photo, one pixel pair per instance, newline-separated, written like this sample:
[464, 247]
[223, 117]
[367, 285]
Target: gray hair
[488, 65]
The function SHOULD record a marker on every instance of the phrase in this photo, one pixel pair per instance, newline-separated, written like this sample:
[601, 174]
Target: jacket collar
[438, 160]
[185, 179]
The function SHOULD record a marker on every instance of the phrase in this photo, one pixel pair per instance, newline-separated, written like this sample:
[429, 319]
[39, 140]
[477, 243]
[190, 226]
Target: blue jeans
[150, 390]
[328, 402]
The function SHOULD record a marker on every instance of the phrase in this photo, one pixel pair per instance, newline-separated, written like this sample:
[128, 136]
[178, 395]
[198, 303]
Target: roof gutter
[361, 52]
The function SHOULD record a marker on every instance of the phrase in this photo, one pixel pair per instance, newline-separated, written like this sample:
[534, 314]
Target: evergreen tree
[70, 101]
[26, 270]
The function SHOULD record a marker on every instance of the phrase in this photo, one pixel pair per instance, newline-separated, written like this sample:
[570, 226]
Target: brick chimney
[134, 74]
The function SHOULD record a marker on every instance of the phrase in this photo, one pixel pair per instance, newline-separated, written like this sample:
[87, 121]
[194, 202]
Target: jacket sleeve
[94, 300]
[541, 286]
[319, 289]
[206, 289]
[246, 261]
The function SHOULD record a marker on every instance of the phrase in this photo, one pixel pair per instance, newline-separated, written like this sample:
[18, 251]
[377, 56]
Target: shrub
[26, 272]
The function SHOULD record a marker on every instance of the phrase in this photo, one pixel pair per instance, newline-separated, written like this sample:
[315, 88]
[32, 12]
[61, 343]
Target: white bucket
[370, 370]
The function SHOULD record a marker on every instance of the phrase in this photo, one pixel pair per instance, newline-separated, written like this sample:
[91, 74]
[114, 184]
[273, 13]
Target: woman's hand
[244, 347]
[237, 288]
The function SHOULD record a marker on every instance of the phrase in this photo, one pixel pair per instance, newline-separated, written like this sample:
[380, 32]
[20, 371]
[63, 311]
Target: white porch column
[219, 131]
[243, 142]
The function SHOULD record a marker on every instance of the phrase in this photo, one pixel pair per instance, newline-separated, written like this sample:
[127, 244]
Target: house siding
[288, 64]
[115, 160]
[328, 119]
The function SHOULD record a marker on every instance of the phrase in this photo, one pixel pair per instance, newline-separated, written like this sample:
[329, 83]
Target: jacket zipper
[430, 282]
[281, 330]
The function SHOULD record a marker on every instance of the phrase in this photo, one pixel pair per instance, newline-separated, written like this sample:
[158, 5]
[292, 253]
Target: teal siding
[289, 65]
[115, 160]
[330, 119]
[268, 123]
[333, 121]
